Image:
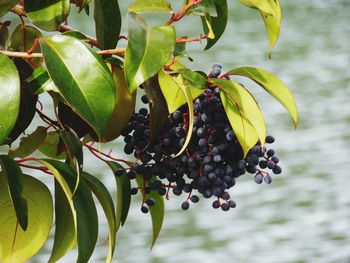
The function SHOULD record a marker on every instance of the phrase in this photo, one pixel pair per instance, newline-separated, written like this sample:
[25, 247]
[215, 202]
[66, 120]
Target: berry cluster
[211, 163]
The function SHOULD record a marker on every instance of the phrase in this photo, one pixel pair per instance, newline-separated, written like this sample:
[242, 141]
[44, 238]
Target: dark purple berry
[144, 209]
[277, 169]
[270, 139]
[144, 99]
[194, 199]
[225, 207]
[185, 205]
[270, 153]
[267, 179]
[216, 204]
[258, 178]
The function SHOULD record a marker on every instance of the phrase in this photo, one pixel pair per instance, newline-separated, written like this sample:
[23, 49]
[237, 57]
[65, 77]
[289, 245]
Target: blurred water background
[304, 215]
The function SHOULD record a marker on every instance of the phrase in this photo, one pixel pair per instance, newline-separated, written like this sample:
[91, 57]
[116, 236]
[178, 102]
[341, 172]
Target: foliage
[93, 86]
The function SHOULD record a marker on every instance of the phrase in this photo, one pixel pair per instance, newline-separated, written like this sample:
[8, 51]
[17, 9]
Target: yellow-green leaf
[273, 23]
[145, 6]
[244, 131]
[171, 90]
[173, 87]
[246, 103]
[17, 245]
[272, 85]
[270, 11]
[262, 5]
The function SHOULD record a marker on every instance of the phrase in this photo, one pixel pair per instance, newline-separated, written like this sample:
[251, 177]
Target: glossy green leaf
[47, 14]
[77, 34]
[145, 6]
[246, 104]
[180, 49]
[50, 146]
[172, 92]
[86, 79]
[272, 85]
[204, 7]
[124, 107]
[172, 88]
[82, 204]
[22, 38]
[64, 204]
[73, 147]
[157, 106]
[107, 23]
[208, 30]
[123, 193]
[65, 231]
[14, 178]
[40, 82]
[10, 96]
[54, 166]
[244, 131]
[29, 143]
[6, 5]
[156, 211]
[148, 50]
[193, 78]
[74, 151]
[105, 199]
[27, 100]
[217, 24]
[17, 245]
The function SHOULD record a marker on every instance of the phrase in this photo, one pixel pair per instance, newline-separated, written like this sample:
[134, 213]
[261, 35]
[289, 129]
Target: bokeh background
[304, 215]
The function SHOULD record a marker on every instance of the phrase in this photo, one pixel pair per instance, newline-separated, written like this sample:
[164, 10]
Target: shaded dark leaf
[158, 106]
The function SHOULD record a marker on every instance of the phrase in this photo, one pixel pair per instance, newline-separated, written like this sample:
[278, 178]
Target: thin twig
[96, 151]
[119, 52]
[40, 168]
[188, 40]
[179, 15]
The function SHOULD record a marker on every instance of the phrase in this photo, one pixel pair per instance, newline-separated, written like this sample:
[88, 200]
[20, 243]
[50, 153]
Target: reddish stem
[35, 44]
[179, 15]
[188, 40]
[40, 168]
[97, 153]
